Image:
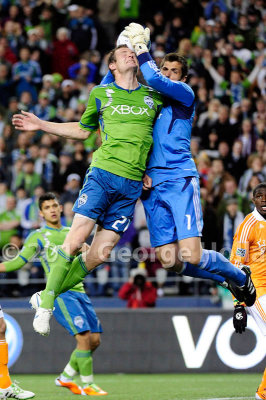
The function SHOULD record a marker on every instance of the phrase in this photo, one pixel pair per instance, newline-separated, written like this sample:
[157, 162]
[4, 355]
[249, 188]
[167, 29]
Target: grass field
[153, 387]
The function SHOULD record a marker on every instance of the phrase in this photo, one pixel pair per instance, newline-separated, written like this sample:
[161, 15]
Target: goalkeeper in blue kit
[172, 206]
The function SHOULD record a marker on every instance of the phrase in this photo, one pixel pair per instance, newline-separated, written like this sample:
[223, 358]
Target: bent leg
[79, 231]
[210, 261]
[171, 259]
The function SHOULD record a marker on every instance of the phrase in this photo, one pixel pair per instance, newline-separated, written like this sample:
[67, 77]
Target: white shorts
[1, 313]
[258, 312]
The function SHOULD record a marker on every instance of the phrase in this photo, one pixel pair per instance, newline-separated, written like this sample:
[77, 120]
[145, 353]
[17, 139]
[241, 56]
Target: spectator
[46, 167]
[238, 162]
[7, 86]
[26, 73]
[82, 27]
[138, 292]
[247, 138]
[65, 52]
[71, 190]
[68, 214]
[256, 166]
[232, 218]
[43, 109]
[27, 178]
[83, 69]
[9, 222]
[30, 218]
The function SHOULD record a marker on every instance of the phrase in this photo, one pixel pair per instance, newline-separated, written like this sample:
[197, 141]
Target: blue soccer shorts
[173, 211]
[109, 199]
[74, 311]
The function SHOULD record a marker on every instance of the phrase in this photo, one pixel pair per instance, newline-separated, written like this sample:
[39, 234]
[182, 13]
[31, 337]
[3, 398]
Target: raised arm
[29, 122]
[176, 90]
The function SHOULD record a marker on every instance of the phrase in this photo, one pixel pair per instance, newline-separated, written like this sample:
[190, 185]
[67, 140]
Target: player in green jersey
[73, 309]
[125, 111]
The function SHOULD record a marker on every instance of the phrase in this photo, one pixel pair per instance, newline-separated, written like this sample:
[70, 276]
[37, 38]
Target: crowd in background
[53, 52]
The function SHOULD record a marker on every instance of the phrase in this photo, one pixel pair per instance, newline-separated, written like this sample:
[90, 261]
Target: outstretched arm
[29, 122]
[28, 251]
[176, 90]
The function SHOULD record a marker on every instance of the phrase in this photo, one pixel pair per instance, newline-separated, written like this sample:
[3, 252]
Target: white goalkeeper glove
[138, 36]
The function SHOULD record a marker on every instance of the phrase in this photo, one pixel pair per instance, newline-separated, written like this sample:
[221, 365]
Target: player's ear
[184, 79]
[61, 208]
[112, 66]
[41, 213]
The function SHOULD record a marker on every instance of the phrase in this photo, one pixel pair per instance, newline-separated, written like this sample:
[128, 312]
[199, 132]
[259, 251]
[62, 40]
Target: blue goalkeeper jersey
[170, 157]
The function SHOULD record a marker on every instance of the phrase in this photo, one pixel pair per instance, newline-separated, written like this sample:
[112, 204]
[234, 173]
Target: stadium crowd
[53, 52]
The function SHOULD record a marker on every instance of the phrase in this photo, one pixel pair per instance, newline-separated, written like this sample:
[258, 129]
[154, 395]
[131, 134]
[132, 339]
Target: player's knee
[95, 342]
[2, 327]
[189, 254]
[166, 257]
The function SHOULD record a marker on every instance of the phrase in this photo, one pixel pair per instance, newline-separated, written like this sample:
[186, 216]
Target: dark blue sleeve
[108, 78]
[175, 90]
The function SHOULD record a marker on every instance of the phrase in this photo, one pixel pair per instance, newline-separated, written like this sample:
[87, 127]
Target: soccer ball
[35, 300]
[124, 40]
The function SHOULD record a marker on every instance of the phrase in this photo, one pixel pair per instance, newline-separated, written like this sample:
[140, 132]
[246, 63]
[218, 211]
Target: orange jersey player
[249, 248]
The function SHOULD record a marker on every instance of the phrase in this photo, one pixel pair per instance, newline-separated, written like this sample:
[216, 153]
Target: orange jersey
[249, 248]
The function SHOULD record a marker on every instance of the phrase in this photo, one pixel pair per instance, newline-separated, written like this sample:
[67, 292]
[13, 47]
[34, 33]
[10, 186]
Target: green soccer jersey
[126, 119]
[42, 244]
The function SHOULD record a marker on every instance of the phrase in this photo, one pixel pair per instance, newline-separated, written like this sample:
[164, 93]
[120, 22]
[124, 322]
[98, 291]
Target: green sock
[75, 275]
[84, 360]
[71, 369]
[58, 271]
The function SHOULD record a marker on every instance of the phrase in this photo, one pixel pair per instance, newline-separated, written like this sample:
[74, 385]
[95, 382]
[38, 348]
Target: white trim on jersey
[196, 202]
[258, 312]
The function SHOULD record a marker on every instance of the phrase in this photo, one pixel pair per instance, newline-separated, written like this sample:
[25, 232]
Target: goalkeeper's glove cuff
[140, 48]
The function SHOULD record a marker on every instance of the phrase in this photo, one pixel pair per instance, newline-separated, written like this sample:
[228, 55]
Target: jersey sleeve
[241, 244]
[108, 78]
[31, 247]
[90, 120]
[176, 90]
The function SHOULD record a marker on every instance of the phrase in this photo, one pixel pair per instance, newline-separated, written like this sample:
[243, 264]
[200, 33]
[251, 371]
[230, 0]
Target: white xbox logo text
[125, 109]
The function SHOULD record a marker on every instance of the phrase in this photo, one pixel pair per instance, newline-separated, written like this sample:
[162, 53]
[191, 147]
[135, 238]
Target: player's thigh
[103, 242]
[70, 314]
[258, 312]
[182, 196]
[95, 340]
[190, 250]
[168, 254]
[159, 219]
[81, 228]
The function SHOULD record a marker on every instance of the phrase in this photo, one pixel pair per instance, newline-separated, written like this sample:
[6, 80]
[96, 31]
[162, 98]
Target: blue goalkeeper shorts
[108, 199]
[74, 311]
[173, 211]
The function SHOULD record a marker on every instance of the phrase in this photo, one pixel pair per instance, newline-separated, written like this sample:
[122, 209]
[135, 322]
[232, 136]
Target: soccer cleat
[246, 293]
[41, 321]
[94, 390]
[71, 385]
[35, 300]
[260, 395]
[15, 392]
